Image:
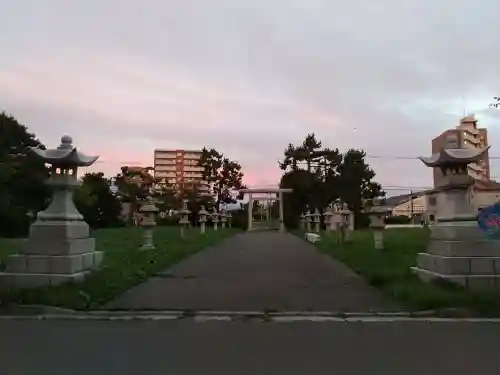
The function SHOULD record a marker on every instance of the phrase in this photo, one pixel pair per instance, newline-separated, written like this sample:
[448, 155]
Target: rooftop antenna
[464, 105]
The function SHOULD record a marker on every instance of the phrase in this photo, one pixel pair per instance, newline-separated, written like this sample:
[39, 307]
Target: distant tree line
[23, 192]
[320, 176]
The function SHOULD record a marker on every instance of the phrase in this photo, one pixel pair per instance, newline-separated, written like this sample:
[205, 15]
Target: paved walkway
[255, 272]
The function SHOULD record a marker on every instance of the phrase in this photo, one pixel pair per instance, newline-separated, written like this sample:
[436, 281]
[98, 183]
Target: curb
[38, 312]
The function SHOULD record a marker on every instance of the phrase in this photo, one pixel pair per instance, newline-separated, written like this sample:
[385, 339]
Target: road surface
[185, 347]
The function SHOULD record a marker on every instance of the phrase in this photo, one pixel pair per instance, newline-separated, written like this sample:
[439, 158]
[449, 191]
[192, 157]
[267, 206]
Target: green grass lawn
[123, 267]
[389, 270]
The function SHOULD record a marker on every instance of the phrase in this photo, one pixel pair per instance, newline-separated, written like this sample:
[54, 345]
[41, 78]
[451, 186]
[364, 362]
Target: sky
[124, 77]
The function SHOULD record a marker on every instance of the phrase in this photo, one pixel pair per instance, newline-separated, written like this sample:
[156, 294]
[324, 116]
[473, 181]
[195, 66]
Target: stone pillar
[282, 220]
[250, 214]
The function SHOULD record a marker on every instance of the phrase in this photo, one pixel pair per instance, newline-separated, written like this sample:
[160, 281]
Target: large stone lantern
[459, 251]
[377, 215]
[58, 249]
[202, 218]
[148, 211]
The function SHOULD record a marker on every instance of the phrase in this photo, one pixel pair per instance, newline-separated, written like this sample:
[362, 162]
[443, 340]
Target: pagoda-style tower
[459, 251]
[58, 249]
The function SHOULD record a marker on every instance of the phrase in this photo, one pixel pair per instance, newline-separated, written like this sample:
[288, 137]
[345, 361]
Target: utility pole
[411, 206]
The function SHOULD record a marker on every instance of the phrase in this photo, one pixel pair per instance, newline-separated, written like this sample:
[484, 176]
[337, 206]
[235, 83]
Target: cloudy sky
[247, 77]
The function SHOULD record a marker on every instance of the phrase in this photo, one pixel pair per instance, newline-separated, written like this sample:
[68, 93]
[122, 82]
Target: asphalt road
[247, 348]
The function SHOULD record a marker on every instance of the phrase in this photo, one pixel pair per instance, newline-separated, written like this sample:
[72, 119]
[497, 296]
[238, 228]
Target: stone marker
[59, 248]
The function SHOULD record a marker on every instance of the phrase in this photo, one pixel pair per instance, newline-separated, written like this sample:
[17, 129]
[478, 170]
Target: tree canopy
[320, 176]
[95, 201]
[224, 176]
[22, 178]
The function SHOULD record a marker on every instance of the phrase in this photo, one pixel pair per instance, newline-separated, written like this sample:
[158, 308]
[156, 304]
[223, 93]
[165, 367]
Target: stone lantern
[148, 209]
[184, 221]
[215, 218]
[223, 219]
[328, 215]
[302, 221]
[316, 219]
[377, 215]
[458, 250]
[202, 218]
[59, 248]
[229, 219]
[345, 223]
[308, 221]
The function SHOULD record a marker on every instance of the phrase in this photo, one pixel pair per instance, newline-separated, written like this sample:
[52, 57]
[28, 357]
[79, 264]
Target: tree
[134, 185]
[95, 201]
[223, 175]
[327, 176]
[23, 192]
[356, 181]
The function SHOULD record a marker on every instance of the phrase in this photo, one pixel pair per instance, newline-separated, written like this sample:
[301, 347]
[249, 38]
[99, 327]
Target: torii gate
[278, 191]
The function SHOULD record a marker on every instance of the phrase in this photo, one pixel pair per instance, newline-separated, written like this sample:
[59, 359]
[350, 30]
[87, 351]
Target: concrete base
[37, 280]
[470, 282]
[460, 253]
[56, 252]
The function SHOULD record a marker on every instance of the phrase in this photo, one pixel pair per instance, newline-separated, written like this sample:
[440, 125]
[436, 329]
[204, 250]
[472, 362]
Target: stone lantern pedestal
[202, 218]
[459, 251]
[149, 210]
[377, 223]
[230, 220]
[184, 221]
[59, 248]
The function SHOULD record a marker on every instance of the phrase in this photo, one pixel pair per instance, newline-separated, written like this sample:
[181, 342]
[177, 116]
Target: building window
[432, 201]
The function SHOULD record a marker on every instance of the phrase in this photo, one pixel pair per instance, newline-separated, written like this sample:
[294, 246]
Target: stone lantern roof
[65, 155]
[450, 158]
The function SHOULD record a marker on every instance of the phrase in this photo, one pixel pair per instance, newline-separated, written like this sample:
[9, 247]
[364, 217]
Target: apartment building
[465, 135]
[468, 135]
[179, 169]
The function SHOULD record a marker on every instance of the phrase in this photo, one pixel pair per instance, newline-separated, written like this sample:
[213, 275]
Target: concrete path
[255, 272]
[184, 347]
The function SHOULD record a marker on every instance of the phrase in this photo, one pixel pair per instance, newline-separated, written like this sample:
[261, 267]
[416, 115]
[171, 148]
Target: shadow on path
[255, 272]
